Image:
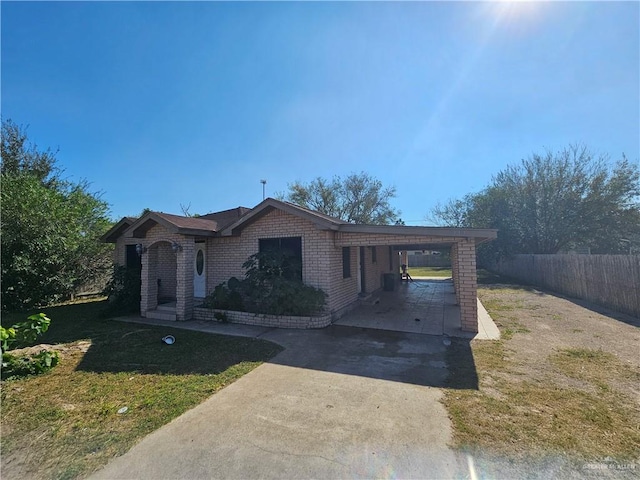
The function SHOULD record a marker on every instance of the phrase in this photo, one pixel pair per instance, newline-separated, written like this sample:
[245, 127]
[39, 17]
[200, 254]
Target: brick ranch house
[182, 259]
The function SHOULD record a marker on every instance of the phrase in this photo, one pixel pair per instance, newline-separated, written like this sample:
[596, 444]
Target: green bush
[123, 291]
[24, 333]
[282, 296]
[267, 288]
[18, 366]
[226, 296]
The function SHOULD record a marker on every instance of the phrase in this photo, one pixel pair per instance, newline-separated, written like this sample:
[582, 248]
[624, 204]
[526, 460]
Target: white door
[199, 272]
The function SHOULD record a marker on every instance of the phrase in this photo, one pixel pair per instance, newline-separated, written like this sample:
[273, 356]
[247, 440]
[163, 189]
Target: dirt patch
[80, 346]
[538, 324]
[562, 383]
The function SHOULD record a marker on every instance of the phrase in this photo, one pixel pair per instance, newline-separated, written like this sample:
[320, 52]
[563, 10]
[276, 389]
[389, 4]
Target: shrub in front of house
[226, 296]
[269, 287]
[123, 291]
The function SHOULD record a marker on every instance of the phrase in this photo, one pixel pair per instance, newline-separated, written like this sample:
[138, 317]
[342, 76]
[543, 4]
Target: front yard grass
[66, 424]
[561, 383]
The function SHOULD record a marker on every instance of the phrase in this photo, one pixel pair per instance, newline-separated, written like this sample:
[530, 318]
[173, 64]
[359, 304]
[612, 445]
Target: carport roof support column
[454, 271]
[467, 284]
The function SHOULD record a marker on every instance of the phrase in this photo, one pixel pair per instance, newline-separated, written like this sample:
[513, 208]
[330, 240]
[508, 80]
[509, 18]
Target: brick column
[467, 291]
[455, 273]
[149, 285]
[395, 264]
[184, 280]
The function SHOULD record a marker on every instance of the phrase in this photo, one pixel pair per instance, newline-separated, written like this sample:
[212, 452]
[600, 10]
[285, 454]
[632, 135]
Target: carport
[460, 292]
[425, 305]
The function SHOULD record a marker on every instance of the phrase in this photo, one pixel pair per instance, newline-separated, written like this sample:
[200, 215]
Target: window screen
[132, 259]
[291, 250]
[346, 262]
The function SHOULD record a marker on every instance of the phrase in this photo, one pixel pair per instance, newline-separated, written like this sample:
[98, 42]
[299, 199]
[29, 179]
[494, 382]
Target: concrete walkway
[340, 402]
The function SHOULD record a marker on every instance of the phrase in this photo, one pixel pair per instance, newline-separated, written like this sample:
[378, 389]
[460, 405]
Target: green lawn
[429, 271]
[65, 424]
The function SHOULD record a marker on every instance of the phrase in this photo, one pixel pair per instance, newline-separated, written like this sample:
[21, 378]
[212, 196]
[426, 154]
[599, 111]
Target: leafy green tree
[453, 213]
[49, 228]
[19, 156]
[358, 198]
[555, 201]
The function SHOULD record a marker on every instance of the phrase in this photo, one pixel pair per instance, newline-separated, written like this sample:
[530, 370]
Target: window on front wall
[374, 255]
[289, 251]
[346, 262]
[132, 259]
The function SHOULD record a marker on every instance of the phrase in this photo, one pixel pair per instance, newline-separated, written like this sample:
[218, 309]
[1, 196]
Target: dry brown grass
[562, 381]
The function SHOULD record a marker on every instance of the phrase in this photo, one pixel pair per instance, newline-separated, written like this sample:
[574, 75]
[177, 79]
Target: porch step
[162, 314]
[167, 307]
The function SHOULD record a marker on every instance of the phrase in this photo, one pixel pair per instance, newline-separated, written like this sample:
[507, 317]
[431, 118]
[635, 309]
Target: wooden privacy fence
[428, 261]
[609, 280]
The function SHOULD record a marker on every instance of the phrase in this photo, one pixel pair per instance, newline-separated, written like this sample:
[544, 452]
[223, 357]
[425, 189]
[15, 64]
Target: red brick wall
[166, 270]
[465, 282]
[321, 262]
[321, 259]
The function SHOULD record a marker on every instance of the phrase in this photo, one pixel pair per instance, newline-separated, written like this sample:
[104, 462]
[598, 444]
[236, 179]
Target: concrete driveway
[340, 402]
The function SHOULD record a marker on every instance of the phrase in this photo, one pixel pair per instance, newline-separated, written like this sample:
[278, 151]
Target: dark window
[289, 249]
[374, 255]
[346, 262]
[200, 262]
[132, 259]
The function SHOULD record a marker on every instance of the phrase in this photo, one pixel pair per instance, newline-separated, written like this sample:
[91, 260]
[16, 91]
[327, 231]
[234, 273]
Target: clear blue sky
[162, 104]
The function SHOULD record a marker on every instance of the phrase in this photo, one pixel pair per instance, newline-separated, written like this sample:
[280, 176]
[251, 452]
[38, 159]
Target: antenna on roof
[264, 183]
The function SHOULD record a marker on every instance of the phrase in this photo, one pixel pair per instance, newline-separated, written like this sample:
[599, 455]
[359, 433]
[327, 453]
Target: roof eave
[267, 205]
[115, 232]
[196, 232]
[484, 234]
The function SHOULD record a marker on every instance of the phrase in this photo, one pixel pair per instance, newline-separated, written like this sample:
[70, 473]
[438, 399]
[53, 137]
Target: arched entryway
[166, 268]
[159, 289]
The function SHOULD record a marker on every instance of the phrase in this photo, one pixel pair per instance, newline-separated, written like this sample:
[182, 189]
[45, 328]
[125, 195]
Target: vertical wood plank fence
[428, 261]
[612, 281]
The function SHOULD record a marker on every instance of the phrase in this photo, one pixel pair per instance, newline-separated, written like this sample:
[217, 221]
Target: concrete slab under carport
[426, 305]
[462, 243]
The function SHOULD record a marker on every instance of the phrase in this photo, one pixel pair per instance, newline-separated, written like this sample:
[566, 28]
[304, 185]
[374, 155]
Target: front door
[199, 272]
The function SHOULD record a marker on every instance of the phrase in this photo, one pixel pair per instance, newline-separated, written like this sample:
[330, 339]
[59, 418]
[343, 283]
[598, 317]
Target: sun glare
[522, 15]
